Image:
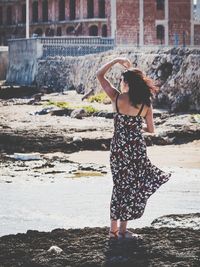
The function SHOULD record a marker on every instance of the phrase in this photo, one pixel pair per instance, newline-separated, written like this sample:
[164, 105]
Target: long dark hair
[141, 88]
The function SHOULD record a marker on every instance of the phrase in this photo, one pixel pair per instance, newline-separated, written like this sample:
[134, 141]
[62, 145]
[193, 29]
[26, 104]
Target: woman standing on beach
[135, 179]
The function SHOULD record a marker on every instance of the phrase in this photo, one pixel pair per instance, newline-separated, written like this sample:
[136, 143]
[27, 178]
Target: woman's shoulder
[125, 105]
[123, 97]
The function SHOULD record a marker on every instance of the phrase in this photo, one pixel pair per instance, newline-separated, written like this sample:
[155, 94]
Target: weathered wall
[197, 34]
[23, 55]
[178, 17]
[179, 22]
[3, 62]
[177, 70]
[127, 14]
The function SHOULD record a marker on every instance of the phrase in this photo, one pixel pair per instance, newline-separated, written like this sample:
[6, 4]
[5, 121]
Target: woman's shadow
[126, 253]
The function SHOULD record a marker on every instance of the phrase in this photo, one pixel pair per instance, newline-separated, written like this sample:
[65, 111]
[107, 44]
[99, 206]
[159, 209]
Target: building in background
[196, 24]
[130, 22]
[54, 18]
[154, 22]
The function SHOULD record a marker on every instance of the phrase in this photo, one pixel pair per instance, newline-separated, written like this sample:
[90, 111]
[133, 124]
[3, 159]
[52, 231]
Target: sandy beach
[183, 156]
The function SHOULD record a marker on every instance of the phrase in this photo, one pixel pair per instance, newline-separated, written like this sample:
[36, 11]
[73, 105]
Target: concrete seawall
[3, 62]
[23, 61]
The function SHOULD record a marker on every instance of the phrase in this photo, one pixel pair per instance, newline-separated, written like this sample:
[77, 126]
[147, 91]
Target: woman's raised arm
[110, 90]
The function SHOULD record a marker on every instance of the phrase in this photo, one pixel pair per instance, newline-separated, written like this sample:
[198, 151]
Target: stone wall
[3, 62]
[23, 55]
[176, 70]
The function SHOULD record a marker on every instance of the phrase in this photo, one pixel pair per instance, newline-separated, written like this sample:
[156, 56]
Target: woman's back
[122, 105]
[125, 107]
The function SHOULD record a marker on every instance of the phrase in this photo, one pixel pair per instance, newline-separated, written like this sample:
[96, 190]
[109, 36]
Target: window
[59, 31]
[9, 15]
[3, 40]
[102, 9]
[70, 30]
[35, 11]
[61, 9]
[1, 14]
[160, 32]
[93, 30]
[104, 31]
[90, 8]
[49, 32]
[38, 31]
[24, 13]
[72, 9]
[160, 4]
[45, 10]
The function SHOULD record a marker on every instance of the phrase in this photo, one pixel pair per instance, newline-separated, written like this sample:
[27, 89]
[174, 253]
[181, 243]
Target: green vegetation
[100, 97]
[89, 109]
[59, 104]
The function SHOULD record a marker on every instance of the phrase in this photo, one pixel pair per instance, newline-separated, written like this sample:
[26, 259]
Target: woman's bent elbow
[98, 74]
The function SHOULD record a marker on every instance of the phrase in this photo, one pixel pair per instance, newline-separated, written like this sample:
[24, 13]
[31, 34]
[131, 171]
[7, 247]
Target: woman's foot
[128, 235]
[113, 234]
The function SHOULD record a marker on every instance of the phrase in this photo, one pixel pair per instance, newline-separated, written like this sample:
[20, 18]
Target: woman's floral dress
[135, 178]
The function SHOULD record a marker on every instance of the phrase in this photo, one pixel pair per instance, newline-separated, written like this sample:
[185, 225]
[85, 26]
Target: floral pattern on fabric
[135, 178]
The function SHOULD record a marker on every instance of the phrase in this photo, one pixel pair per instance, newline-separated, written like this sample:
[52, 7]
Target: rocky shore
[28, 127]
[35, 124]
[91, 247]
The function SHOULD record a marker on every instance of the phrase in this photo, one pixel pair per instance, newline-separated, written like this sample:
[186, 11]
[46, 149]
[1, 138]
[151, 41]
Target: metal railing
[75, 46]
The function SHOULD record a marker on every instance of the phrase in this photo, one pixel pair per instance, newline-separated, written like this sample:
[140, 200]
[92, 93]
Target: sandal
[113, 234]
[128, 235]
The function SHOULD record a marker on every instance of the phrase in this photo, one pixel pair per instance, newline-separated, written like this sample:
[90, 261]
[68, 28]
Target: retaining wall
[3, 62]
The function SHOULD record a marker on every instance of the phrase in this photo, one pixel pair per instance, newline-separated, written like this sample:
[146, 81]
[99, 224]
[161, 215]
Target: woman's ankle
[123, 226]
[114, 226]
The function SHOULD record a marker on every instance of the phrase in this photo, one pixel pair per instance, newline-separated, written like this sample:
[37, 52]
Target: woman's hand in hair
[125, 62]
[110, 90]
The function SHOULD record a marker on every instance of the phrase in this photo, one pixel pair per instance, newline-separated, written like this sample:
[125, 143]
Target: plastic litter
[25, 156]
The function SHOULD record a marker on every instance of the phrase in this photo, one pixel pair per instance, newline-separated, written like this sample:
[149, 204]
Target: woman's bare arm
[110, 90]
[149, 121]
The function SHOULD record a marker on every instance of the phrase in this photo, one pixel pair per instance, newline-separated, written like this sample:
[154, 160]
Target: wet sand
[183, 156]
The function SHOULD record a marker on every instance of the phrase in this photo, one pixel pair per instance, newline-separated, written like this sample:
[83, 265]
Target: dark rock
[78, 113]
[44, 111]
[107, 115]
[91, 247]
[8, 92]
[62, 112]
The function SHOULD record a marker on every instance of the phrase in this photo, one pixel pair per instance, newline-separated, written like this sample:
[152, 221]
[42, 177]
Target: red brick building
[151, 22]
[132, 22]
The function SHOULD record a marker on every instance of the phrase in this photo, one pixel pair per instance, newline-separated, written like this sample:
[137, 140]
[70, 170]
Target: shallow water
[76, 203]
